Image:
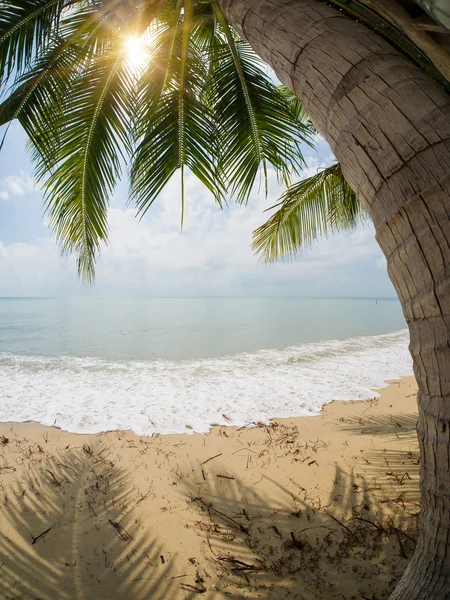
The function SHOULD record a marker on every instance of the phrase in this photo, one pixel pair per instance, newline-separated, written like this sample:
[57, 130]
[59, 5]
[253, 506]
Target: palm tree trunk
[388, 124]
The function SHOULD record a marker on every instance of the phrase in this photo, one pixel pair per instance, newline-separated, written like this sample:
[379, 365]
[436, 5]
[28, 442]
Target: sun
[136, 52]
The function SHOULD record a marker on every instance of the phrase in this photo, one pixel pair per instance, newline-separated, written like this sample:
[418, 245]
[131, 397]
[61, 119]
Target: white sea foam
[91, 395]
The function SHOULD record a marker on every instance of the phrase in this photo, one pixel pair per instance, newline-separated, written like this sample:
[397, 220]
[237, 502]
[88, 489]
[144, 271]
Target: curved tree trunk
[388, 124]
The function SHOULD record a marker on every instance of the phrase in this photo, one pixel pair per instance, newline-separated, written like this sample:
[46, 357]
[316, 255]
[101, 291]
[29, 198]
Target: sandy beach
[309, 508]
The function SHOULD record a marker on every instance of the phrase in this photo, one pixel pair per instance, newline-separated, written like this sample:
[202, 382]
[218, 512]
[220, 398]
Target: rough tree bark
[388, 124]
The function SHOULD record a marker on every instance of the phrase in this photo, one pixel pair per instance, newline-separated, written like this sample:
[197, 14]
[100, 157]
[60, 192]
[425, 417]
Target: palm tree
[196, 98]
[388, 124]
[307, 210]
[204, 102]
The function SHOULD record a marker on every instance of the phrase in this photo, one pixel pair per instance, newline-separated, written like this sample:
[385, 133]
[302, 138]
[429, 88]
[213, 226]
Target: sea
[171, 365]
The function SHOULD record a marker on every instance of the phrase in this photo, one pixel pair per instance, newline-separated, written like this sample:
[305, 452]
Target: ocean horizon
[171, 365]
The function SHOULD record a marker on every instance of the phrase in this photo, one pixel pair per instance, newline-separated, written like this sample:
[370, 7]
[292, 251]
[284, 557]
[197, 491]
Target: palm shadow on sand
[271, 543]
[71, 534]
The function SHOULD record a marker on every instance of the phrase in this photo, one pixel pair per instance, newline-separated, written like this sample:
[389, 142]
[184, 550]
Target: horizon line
[103, 297]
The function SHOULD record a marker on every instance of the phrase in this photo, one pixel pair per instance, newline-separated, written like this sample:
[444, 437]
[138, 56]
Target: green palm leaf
[93, 134]
[307, 210]
[298, 112]
[203, 102]
[178, 129]
[47, 80]
[26, 26]
[256, 124]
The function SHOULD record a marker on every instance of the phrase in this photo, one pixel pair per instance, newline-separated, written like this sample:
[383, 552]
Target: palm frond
[256, 124]
[44, 84]
[204, 102]
[93, 133]
[26, 26]
[50, 73]
[307, 210]
[297, 109]
[177, 126]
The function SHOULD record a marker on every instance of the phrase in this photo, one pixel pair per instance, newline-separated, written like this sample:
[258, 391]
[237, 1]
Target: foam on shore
[89, 395]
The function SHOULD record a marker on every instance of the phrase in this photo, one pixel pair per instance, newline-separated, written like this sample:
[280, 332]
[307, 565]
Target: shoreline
[191, 431]
[88, 395]
[302, 508]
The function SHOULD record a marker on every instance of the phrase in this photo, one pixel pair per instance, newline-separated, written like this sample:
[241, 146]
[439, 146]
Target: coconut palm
[388, 124]
[205, 103]
[307, 210]
[195, 99]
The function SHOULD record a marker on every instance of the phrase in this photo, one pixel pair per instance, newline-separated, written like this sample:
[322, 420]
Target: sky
[212, 256]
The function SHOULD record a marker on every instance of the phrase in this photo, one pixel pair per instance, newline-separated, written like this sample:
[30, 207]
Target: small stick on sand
[143, 497]
[67, 467]
[191, 588]
[297, 485]
[400, 543]
[211, 458]
[121, 531]
[55, 481]
[380, 529]
[210, 507]
[340, 523]
[35, 539]
[241, 565]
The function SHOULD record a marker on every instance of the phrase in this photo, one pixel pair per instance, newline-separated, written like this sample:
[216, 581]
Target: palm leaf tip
[306, 211]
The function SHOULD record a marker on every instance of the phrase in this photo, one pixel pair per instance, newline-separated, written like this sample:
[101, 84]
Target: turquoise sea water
[159, 364]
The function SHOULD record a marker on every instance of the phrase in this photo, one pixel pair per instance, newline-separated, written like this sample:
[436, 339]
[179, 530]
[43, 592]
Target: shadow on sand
[71, 532]
[270, 542]
[73, 535]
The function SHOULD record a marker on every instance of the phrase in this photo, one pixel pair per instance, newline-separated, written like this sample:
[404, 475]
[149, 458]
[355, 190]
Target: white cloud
[16, 185]
[211, 256]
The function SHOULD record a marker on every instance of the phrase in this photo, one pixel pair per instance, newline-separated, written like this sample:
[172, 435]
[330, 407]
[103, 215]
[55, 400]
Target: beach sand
[309, 508]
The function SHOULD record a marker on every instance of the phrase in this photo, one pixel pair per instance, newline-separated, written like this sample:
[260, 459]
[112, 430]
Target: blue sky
[211, 257]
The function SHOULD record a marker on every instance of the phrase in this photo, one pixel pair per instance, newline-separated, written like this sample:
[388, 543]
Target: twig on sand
[192, 588]
[7, 469]
[87, 449]
[341, 524]
[211, 458]
[400, 543]
[240, 565]
[224, 476]
[210, 507]
[377, 527]
[67, 467]
[297, 485]
[55, 481]
[249, 449]
[143, 497]
[35, 539]
[121, 531]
